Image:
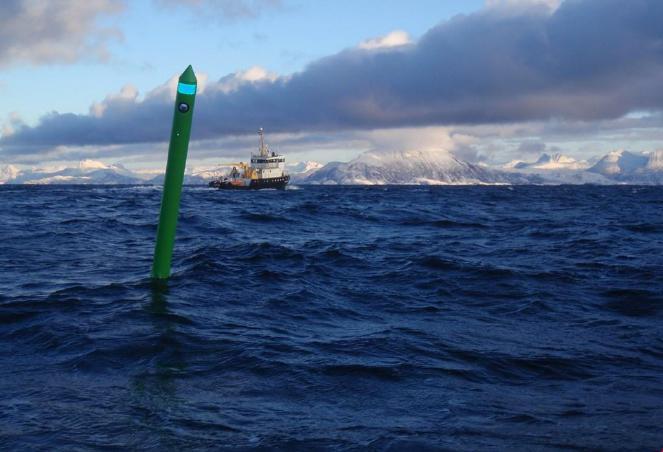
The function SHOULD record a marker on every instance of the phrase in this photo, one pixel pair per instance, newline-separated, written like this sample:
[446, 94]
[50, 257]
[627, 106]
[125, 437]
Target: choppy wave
[379, 318]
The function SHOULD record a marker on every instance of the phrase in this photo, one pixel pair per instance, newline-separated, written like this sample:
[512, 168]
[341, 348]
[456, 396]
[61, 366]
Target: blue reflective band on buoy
[185, 88]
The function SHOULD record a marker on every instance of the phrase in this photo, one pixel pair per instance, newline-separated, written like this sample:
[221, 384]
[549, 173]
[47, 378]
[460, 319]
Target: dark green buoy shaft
[172, 186]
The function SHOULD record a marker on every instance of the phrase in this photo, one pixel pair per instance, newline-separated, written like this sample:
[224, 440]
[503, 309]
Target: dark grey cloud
[589, 60]
[534, 148]
[531, 147]
[469, 153]
[54, 31]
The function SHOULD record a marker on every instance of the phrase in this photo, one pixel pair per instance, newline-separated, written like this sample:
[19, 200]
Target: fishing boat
[266, 170]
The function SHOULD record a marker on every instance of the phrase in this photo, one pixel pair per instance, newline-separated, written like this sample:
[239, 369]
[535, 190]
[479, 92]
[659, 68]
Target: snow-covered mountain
[303, 168]
[630, 167]
[409, 167]
[620, 162]
[616, 167]
[557, 169]
[86, 172]
[623, 166]
[430, 167]
[549, 162]
[655, 161]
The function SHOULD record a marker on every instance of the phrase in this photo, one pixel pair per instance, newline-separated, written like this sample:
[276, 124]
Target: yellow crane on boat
[248, 171]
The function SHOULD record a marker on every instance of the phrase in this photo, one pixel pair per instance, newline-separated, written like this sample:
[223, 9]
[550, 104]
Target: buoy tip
[188, 76]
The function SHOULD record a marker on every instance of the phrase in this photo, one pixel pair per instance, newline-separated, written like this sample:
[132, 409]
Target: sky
[488, 80]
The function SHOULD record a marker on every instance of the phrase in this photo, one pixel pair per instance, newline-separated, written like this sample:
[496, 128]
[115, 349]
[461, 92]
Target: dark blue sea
[333, 318]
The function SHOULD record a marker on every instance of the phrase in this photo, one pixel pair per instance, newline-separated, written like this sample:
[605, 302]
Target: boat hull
[278, 183]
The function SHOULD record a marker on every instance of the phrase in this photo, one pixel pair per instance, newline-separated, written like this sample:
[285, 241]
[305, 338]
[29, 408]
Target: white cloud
[410, 139]
[55, 31]
[442, 140]
[255, 74]
[128, 93]
[394, 39]
[10, 126]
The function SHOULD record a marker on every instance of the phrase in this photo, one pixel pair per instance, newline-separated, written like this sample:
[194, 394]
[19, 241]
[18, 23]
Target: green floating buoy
[172, 186]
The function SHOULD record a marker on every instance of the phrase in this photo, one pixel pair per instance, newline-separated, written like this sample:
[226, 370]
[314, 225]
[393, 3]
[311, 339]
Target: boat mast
[263, 149]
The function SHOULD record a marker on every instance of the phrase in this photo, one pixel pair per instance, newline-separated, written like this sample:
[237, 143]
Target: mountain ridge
[408, 168]
[413, 167]
[443, 168]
